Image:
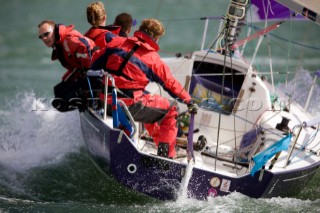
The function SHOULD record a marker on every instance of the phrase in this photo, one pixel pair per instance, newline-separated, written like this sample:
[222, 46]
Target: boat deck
[205, 159]
[222, 162]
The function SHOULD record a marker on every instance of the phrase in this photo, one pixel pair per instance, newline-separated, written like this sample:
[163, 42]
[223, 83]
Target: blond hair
[152, 27]
[96, 13]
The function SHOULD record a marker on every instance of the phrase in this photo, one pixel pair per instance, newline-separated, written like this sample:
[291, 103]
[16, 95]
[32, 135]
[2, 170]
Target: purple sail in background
[275, 11]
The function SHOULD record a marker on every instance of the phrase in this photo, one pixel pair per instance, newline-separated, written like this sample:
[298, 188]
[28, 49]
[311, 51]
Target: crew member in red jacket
[134, 62]
[99, 33]
[74, 51]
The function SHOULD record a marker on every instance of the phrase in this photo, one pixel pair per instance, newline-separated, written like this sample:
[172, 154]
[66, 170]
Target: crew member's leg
[160, 122]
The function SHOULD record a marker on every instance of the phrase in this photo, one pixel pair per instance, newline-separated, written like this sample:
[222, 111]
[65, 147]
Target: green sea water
[43, 165]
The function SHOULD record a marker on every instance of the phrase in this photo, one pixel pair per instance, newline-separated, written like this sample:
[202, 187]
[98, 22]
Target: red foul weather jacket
[143, 66]
[102, 35]
[72, 49]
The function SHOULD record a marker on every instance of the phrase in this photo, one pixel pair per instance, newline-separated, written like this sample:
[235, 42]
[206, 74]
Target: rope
[158, 8]
[287, 40]
[174, 11]
[226, 33]
[248, 25]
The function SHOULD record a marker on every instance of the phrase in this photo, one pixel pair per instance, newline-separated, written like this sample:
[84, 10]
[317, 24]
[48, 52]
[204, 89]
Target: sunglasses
[41, 36]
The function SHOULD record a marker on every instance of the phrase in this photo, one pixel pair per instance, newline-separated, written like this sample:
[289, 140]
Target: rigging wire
[234, 117]
[256, 28]
[248, 26]
[288, 40]
[226, 53]
[266, 11]
[158, 8]
[287, 61]
[172, 15]
[196, 46]
[298, 65]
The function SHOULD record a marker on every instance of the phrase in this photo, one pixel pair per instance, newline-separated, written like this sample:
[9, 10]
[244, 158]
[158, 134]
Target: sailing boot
[163, 149]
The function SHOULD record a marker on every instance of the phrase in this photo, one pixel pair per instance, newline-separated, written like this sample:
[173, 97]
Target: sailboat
[243, 138]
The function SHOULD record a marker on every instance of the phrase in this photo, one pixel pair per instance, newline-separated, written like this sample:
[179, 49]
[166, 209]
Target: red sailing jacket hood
[102, 35]
[147, 41]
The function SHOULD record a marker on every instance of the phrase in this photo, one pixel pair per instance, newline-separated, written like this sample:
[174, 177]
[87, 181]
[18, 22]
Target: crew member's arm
[169, 83]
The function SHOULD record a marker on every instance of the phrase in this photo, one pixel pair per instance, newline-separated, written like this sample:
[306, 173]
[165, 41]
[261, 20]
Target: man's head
[46, 32]
[124, 20]
[153, 28]
[96, 14]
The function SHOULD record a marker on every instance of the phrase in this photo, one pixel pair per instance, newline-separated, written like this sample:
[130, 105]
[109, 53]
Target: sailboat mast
[231, 37]
[236, 12]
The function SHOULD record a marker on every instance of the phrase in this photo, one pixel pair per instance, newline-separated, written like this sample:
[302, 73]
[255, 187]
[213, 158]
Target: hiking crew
[134, 62]
[74, 52]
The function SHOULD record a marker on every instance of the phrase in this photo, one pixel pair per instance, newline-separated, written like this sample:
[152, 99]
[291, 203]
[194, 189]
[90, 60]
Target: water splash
[31, 138]
[183, 191]
[299, 89]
